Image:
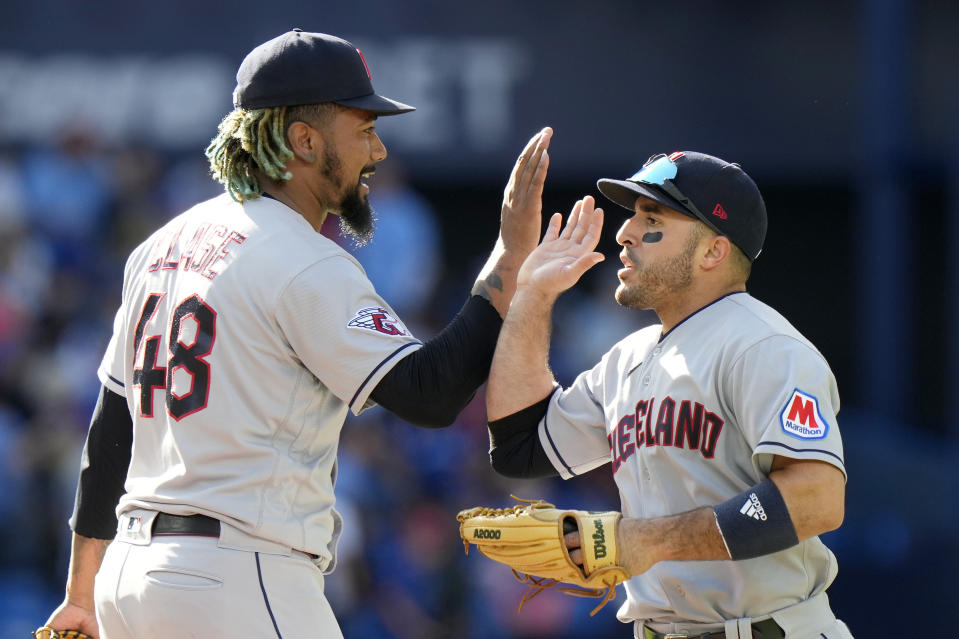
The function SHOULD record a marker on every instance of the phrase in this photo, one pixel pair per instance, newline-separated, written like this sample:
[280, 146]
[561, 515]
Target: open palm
[565, 253]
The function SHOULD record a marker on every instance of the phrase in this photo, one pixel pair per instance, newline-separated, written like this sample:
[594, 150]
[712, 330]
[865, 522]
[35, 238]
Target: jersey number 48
[186, 356]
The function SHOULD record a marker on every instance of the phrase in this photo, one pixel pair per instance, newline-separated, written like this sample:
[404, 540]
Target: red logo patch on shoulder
[801, 417]
[377, 319]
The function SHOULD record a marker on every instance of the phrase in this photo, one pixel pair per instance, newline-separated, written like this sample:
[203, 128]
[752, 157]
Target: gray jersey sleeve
[785, 399]
[573, 431]
[111, 367]
[112, 371]
[342, 330]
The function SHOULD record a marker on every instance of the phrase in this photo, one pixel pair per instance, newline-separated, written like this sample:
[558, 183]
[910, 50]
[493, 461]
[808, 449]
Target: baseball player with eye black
[718, 424]
[243, 338]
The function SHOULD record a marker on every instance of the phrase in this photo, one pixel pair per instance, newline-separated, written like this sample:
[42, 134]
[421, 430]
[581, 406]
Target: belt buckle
[673, 635]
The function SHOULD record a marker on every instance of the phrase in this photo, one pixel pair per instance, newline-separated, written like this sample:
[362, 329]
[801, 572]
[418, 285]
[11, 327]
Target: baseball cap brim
[624, 193]
[377, 104]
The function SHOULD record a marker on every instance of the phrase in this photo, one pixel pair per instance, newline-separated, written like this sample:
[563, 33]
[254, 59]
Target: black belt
[198, 525]
[766, 629]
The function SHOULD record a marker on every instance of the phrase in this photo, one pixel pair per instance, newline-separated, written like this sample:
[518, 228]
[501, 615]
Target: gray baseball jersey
[242, 340]
[692, 420]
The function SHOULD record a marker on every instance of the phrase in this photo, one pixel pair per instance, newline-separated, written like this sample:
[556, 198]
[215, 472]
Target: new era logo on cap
[720, 212]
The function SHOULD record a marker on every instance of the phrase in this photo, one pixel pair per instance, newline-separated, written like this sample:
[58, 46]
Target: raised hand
[520, 220]
[566, 252]
[520, 224]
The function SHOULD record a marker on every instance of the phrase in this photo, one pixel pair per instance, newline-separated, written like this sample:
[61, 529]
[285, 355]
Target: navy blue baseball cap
[716, 192]
[299, 67]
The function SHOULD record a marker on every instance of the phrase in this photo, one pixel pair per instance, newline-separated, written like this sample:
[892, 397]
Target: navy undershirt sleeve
[432, 385]
[106, 458]
[515, 449]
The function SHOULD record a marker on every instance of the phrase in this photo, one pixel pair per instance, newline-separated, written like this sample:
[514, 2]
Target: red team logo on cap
[801, 417]
[379, 320]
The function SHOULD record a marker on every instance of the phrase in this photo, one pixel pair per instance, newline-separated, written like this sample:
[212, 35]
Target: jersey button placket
[647, 378]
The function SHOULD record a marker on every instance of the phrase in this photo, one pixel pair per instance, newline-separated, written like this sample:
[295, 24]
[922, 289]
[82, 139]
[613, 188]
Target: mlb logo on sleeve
[801, 417]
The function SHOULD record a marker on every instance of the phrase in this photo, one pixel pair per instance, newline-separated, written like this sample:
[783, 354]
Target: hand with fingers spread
[565, 253]
[554, 266]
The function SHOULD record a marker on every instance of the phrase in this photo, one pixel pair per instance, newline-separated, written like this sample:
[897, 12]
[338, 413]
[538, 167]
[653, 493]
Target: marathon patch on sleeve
[377, 319]
[801, 417]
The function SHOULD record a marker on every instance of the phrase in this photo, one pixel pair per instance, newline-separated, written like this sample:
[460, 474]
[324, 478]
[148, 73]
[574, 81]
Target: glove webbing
[539, 584]
[481, 511]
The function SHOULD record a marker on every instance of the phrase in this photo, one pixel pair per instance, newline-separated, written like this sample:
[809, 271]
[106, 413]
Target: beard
[656, 281]
[357, 219]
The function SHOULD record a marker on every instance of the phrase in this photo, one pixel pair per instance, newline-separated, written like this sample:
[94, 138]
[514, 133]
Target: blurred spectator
[12, 211]
[68, 190]
[185, 182]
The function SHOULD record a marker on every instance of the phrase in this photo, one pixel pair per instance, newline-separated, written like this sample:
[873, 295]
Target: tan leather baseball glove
[529, 539]
[45, 632]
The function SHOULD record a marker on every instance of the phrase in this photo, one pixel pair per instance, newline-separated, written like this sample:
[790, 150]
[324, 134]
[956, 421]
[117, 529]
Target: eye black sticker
[652, 238]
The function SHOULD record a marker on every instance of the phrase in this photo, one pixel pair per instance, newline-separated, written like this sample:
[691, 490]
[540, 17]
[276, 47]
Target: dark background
[843, 113]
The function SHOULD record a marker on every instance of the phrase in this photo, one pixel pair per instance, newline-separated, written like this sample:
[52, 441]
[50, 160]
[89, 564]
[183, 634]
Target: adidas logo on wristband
[752, 508]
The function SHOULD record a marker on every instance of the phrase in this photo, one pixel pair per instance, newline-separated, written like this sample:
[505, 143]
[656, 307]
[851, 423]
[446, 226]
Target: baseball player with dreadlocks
[718, 423]
[243, 338]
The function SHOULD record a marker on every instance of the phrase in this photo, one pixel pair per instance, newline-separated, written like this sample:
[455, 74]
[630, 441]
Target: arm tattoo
[495, 281]
[492, 281]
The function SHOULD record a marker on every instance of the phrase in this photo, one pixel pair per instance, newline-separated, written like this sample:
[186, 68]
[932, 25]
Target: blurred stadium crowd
[69, 215]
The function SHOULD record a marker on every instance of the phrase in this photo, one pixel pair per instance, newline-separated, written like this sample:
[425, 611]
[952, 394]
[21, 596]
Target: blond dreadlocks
[251, 140]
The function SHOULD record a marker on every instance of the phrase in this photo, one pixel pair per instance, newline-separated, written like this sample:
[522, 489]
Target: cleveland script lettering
[691, 426]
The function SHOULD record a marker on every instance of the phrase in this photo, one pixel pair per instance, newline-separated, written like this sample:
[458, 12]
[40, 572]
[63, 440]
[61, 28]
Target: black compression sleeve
[103, 470]
[515, 449]
[432, 385]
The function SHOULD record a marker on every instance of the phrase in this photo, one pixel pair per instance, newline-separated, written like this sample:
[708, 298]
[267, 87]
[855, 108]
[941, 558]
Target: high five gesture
[565, 253]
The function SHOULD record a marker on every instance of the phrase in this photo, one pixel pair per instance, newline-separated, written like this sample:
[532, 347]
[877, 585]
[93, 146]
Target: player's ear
[717, 250]
[304, 141]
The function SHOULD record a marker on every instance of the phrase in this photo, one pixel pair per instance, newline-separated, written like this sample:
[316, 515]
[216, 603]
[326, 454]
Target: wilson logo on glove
[529, 538]
[599, 539]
